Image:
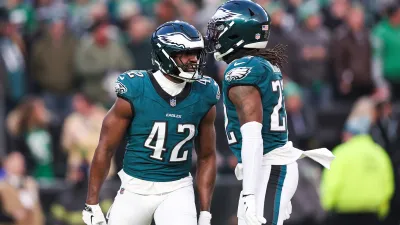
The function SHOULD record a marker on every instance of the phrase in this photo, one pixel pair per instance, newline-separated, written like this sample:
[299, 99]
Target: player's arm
[247, 101]
[206, 162]
[113, 129]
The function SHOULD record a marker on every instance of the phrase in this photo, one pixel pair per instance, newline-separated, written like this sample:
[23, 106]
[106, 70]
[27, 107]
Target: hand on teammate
[250, 215]
[204, 218]
[92, 215]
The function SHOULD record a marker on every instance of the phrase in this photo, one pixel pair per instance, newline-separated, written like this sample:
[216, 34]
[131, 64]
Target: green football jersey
[267, 78]
[160, 136]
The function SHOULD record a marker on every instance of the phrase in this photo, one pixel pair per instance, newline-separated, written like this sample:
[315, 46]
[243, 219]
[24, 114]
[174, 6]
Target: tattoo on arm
[247, 100]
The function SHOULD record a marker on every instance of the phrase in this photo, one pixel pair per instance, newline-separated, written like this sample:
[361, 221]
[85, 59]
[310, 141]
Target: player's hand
[250, 215]
[92, 215]
[204, 218]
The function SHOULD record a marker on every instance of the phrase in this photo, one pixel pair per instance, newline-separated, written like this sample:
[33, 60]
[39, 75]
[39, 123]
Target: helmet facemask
[215, 29]
[174, 45]
[237, 24]
[188, 71]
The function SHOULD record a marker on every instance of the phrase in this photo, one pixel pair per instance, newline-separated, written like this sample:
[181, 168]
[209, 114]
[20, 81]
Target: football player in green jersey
[161, 114]
[255, 115]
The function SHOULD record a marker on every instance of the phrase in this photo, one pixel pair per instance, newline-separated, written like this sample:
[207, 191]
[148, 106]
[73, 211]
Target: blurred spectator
[352, 56]
[48, 10]
[67, 209]
[19, 194]
[81, 131]
[99, 11]
[278, 33]
[12, 60]
[122, 11]
[23, 16]
[386, 43]
[310, 57]
[292, 6]
[165, 10]
[358, 187]
[28, 124]
[386, 133]
[188, 11]
[300, 120]
[52, 67]
[4, 218]
[98, 61]
[3, 133]
[364, 109]
[79, 16]
[335, 13]
[138, 41]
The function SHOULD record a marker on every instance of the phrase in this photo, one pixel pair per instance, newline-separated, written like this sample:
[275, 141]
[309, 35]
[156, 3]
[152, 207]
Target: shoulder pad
[130, 84]
[246, 70]
[209, 88]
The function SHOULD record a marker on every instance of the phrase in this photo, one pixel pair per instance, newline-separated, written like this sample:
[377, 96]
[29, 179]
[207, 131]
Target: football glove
[250, 214]
[92, 215]
[204, 218]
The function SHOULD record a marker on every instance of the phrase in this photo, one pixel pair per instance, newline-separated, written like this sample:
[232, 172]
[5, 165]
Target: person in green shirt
[23, 16]
[358, 187]
[37, 139]
[386, 50]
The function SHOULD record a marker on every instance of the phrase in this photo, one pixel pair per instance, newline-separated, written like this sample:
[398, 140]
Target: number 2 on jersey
[230, 136]
[159, 131]
[277, 86]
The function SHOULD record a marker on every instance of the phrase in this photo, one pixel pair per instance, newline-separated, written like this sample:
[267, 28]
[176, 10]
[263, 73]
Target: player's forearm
[205, 177]
[98, 173]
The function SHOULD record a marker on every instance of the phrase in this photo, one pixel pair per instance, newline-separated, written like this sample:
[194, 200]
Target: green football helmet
[235, 25]
[177, 37]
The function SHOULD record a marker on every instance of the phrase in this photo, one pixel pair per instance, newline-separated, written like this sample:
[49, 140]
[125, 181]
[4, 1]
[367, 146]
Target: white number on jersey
[134, 73]
[277, 85]
[230, 136]
[159, 131]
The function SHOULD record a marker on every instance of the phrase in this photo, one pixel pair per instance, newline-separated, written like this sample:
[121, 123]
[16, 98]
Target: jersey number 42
[159, 131]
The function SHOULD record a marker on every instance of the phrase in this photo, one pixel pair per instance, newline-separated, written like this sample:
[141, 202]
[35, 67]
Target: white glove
[204, 218]
[250, 215]
[92, 215]
[288, 211]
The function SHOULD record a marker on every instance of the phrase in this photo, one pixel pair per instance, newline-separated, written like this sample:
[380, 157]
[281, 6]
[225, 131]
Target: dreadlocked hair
[276, 55]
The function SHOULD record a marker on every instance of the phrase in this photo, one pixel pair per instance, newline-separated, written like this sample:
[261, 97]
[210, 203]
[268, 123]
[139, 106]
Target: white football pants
[276, 187]
[173, 208]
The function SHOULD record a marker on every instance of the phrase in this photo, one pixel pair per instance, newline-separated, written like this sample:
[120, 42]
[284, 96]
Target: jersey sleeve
[244, 71]
[129, 85]
[210, 90]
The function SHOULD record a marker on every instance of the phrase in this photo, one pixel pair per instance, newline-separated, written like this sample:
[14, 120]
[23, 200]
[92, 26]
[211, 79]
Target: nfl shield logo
[172, 102]
[258, 36]
[122, 191]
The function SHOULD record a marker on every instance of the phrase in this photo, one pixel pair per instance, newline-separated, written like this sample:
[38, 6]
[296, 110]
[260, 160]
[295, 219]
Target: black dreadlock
[276, 55]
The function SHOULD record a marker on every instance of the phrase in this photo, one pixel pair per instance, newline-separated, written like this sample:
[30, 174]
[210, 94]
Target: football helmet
[237, 24]
[174, 38]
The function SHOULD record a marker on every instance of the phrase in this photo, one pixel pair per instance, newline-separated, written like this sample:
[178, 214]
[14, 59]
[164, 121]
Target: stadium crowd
[59, 60]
